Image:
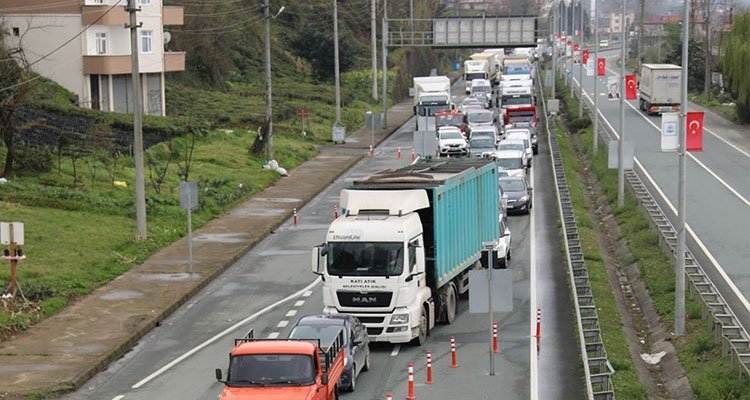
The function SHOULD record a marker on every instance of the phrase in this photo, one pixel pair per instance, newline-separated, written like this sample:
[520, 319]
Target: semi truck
[283, 369]
[494, 58]
[399, 255]
[659, 88]
[474, 69]
[431, 95]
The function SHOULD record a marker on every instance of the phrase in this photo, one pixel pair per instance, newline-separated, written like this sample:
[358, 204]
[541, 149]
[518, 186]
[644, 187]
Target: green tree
[735, 63]
[313, 41]
[696, 55]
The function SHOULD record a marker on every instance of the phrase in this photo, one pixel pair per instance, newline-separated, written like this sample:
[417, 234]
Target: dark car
[356, 342]
[518, 193]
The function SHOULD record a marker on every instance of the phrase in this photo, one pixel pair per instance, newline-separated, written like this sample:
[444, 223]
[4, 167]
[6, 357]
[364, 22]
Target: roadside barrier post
[494, 338]
[410, 395]
[538, 322]
[454, 362]
[429, 368]
[294, 219]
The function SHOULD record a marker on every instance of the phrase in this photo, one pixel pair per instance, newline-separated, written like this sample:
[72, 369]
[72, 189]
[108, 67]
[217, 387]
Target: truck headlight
[399, 319]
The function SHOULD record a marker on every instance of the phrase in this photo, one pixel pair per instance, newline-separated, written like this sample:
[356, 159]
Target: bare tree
[16, 84]
[708, 8]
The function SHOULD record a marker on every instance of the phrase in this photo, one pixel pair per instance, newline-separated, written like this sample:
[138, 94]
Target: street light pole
[621, 149]
[384, 50]
[337, 78]
[140, 183]
[596, 78]
[679, 301]
[573, 44]
[374, 44]
[580, 64]
[554, 49]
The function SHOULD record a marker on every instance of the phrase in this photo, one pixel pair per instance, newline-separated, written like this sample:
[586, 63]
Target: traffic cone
[388, 396]
[454, 362]
[410, 395]
[429, 368]
[494, 337]
[335, 211]
[399, 153]
[413, 155]
[372, 151]
[294, 219]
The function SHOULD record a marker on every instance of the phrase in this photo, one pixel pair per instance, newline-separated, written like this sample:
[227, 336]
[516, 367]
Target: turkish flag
[600, 66]
[570, 42]
[576, 47]
[585, 56]
[630, 87]
[694, 131]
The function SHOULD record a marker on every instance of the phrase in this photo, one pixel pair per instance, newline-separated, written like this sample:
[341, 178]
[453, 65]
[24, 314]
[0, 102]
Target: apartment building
[93, 59]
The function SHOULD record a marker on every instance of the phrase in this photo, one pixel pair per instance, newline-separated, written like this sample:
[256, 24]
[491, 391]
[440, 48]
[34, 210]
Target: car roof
[509, 154]
[479, 82]
[449, 128]
[469, 100]
[485, 128]
[517, 132]
[484, 111]
[512, 141]
[481, 136]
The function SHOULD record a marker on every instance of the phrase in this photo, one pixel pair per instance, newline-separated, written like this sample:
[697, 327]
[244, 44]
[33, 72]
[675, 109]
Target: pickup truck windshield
[271, 370]
[365, 259]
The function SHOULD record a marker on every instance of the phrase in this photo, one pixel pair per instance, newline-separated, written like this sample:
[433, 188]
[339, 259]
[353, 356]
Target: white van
[482, 86]
[511, 161]
[521, 134]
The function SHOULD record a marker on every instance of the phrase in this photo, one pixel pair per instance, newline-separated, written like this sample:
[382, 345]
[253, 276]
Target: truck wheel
[450, 304]
[421, 338]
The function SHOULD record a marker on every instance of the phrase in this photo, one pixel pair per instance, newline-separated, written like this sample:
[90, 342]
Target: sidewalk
[65, 350]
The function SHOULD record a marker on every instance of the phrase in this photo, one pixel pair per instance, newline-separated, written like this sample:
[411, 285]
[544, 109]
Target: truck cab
[283, 369]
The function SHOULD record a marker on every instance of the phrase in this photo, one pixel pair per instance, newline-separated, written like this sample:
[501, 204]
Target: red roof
[275, 347]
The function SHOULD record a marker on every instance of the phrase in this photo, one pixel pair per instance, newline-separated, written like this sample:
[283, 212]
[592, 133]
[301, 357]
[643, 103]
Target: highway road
[272, 285]
[718, 189]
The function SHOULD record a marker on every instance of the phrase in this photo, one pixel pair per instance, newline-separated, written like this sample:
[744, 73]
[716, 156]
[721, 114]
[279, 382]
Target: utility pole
[374, 44]
[140, 185]
[337, 78]
[384, 42]
[621, 149]
[580, 64]
[596, 78]
[679, 301]
[267, 55]
[573, 44]
[554, 49]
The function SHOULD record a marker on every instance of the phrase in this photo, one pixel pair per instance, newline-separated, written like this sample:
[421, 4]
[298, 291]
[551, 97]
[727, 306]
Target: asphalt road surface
[272, 286]
[718, 189]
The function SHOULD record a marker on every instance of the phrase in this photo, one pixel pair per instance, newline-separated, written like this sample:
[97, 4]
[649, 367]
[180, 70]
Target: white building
[93, 60]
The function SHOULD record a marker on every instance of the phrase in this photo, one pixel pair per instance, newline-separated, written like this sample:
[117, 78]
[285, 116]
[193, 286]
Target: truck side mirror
[324, 379]
[218, 374]
[315, 260]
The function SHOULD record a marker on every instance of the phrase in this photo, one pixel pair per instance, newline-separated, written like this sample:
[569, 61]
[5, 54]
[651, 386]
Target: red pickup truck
[283, 369]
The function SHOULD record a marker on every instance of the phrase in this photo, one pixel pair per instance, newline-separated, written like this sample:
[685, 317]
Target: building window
[147, 41]
[144, 2]
[101, 43]
[97, 1]
[16, 31]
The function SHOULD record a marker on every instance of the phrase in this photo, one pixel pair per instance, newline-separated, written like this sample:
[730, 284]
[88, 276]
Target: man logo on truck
[364, 299]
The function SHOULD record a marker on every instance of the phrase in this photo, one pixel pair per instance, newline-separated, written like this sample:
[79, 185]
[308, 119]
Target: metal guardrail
[597, 369]
[729, 332]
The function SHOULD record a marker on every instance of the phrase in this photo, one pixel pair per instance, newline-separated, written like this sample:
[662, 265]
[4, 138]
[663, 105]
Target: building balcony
[173, 15]
[174, 61]
[106, 65]
[117, 16]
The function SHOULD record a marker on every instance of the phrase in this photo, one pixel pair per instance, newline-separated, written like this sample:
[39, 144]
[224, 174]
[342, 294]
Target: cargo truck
[399, 255]
[659, 88]
[474, 69]
[494, 58]
[284, 369]
[431, 95]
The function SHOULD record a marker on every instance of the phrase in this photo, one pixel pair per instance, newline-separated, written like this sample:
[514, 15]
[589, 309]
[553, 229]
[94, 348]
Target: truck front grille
[370, 299]
[371, 320]
[374, 331]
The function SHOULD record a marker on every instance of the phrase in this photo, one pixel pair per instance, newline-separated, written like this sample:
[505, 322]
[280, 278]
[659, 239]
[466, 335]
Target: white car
[604, 43]
[522, 134]
[452, 142]
[489, 130]
[512, 161]
[514, 145]
[503, 246]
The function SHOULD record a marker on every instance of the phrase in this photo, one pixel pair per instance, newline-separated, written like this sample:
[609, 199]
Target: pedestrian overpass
[462, 32]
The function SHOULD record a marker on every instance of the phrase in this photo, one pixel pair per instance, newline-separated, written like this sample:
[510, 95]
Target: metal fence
[597, 369]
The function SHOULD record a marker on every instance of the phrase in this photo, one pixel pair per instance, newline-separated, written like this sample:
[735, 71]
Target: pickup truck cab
[283, 369]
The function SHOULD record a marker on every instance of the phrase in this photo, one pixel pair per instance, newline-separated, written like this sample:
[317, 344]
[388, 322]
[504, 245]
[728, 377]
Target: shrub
[33, 160]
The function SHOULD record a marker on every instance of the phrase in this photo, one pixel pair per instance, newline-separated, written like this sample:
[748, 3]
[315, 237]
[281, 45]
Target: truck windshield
[427, 111]
[479, 117]
[516, 100]
[365, 259]
[481, 89]
[271, 369]
[471, 77]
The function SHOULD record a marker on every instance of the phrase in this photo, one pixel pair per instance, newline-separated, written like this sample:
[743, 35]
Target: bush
[32, 160]
[576, 124]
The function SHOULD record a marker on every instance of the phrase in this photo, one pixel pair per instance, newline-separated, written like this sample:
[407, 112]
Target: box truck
[399, 255]
[431, 95]
[659, 88]
[474, 69]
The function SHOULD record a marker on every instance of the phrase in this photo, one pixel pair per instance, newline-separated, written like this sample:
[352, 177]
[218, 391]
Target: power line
[235, 11]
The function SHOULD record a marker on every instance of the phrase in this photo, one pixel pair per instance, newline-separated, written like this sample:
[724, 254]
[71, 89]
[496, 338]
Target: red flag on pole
[585, 56]
[577, 47]
[630, 87]
[600, 66]
[694, 131]
[570, 42]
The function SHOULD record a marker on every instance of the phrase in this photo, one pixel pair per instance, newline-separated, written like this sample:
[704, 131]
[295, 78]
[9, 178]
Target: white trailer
[659, 89]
